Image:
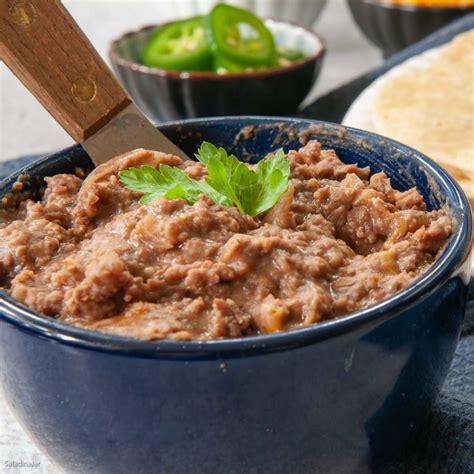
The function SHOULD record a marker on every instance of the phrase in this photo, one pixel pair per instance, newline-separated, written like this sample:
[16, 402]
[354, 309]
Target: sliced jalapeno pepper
[289, 54]
[239, 36]
[223, 65]
[179, 46]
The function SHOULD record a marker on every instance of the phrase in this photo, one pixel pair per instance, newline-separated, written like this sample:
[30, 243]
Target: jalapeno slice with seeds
[179, 46]
[289, 54]
[223, 65]
[239, 36]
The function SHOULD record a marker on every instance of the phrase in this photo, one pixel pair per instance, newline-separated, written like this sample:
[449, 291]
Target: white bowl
[302, 12]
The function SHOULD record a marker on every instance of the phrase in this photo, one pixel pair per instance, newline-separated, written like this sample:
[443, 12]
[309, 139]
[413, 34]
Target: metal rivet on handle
[23, 13]
[83, 90]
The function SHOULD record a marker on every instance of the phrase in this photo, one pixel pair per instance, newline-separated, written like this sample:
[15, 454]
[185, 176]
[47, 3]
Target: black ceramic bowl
[335, 397]
[168, 95]
[393, 27]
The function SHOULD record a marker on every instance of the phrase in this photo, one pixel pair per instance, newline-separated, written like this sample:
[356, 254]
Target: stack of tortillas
[431, 108]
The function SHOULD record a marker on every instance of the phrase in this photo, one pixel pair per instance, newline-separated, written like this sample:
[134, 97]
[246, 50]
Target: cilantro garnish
[229, 181]
[167, 182]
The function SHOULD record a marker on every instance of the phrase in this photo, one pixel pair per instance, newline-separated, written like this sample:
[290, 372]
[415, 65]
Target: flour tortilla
[431, 108]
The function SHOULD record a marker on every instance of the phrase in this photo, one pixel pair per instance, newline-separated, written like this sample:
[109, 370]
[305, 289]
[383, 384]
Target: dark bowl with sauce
[165, 95]
[339, 396]
[393, 27]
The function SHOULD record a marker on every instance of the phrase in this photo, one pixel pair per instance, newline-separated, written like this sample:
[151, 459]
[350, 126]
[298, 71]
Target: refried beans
[337, 241]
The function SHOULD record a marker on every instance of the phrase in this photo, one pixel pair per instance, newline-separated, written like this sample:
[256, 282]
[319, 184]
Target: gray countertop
[26, 128]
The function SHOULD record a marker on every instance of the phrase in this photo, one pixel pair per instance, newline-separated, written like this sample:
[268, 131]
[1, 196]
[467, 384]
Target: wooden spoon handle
[44, 47]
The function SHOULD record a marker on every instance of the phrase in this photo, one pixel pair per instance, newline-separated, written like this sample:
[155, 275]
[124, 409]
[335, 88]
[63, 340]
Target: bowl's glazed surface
[393, 27]
[335, 397]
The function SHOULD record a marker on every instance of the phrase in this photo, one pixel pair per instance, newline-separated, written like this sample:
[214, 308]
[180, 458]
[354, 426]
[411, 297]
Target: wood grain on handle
[43, 46]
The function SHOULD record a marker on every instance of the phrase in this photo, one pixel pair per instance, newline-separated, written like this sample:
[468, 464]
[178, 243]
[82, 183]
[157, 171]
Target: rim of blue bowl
[207, 75]
[451, 260]
[387, 4]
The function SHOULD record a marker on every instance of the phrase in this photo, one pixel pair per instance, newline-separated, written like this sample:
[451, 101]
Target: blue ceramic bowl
[339, 396]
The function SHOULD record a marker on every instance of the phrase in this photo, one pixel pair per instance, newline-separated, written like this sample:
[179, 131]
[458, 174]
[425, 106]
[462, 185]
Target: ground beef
[336, 242]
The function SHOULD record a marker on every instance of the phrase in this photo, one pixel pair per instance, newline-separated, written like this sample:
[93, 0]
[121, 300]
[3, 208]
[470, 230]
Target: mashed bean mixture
[90, 254]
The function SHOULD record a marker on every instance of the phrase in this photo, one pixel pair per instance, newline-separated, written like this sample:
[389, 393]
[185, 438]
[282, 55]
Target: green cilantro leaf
[273, 174]
[208, 150]
[252, 191]
[167, 182]
[228, 181]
